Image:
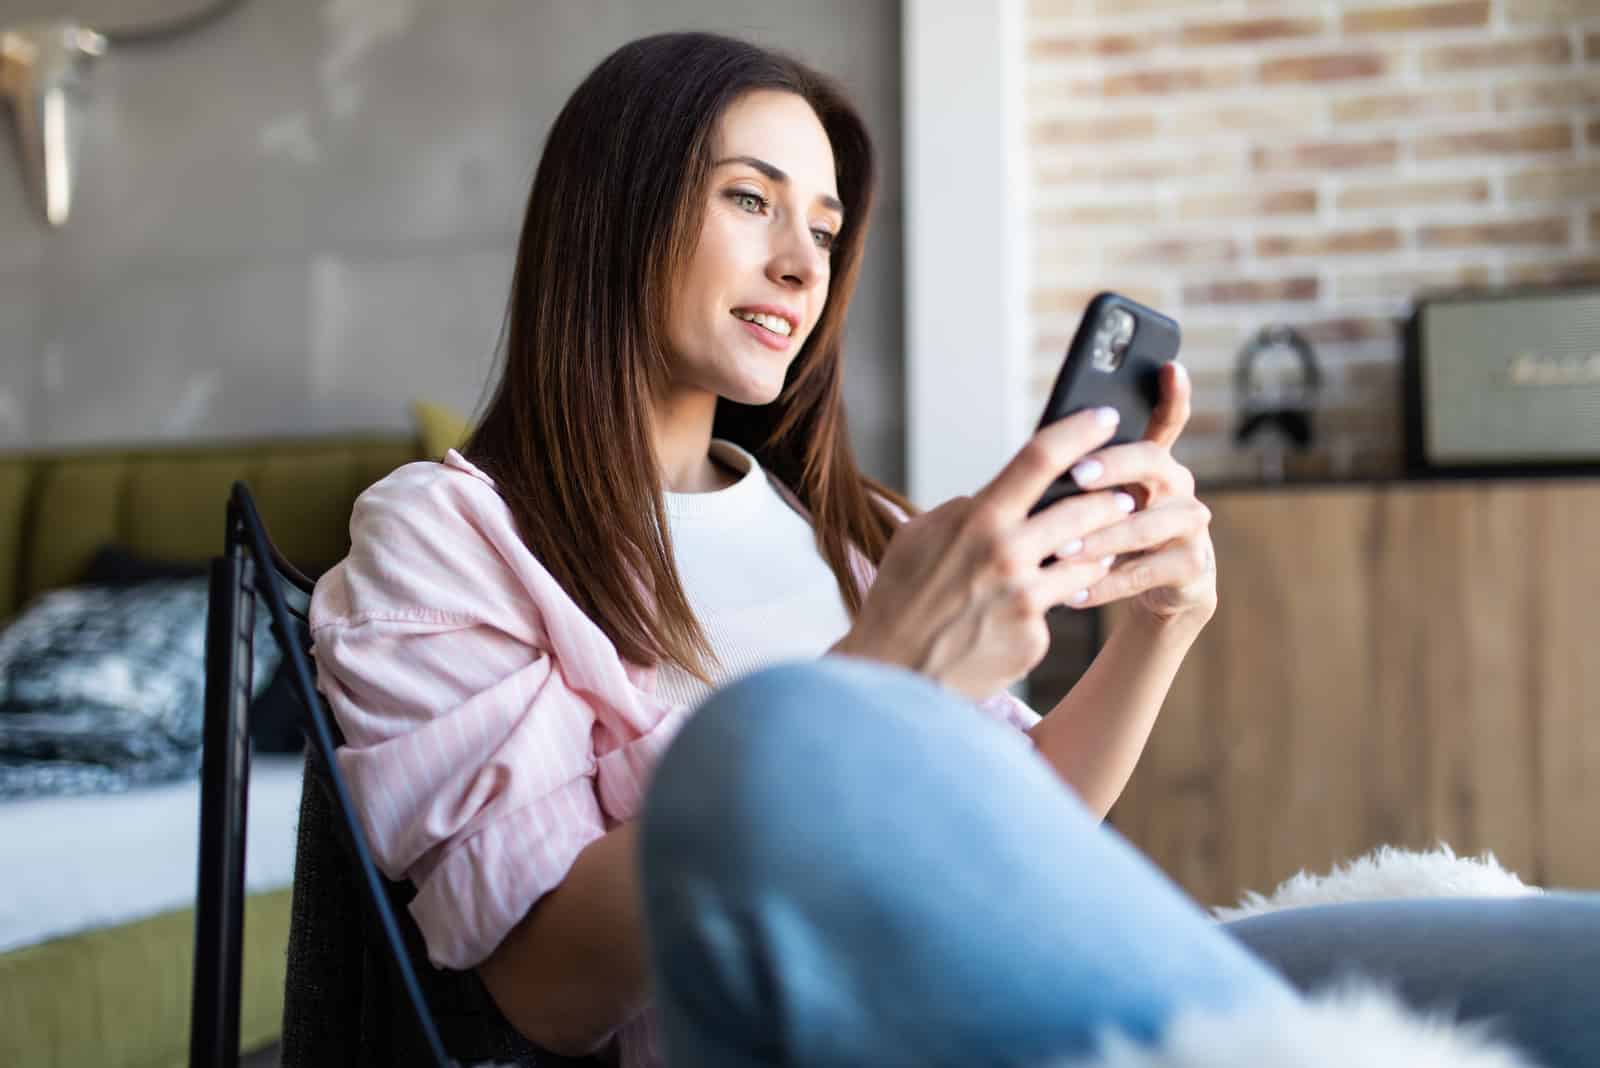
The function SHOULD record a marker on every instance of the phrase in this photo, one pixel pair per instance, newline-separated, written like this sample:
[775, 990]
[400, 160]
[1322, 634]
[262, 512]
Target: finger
[1142, 463]
[1179, 564]
[1040, 461]
[1147, 530]
[1172, 411]
[1062, 528]
[1070, 581]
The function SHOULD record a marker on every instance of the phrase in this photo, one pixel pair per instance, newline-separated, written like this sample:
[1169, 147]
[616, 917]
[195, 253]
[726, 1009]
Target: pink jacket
[492, 731]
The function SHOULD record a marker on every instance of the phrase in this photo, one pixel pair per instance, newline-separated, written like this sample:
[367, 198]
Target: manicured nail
[1087, 471]
[1108, 416]
[1107, 561]
[1071, 548]
[1183, 372]
[1079, 597]
[1124, 502]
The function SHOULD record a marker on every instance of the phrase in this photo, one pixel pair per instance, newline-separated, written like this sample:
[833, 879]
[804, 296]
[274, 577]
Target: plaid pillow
[102, 688]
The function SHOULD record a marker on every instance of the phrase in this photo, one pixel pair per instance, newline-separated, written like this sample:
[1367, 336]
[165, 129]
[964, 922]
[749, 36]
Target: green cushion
[58, 508]
[292, 493]
[76, 508]
[178, 515]
[13, 487]
[120, 997]
[440, 428]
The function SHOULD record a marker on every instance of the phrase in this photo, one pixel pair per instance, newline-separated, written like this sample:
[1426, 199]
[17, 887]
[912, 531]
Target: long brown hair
[613, 218]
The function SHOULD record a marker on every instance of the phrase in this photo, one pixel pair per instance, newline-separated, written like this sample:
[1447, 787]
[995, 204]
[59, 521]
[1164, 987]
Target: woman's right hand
[960, 595]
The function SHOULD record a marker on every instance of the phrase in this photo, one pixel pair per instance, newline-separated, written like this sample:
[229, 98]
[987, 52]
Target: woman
[862, 850]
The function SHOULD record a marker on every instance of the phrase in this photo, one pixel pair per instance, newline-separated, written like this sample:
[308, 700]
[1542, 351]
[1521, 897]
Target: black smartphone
[1114, 361]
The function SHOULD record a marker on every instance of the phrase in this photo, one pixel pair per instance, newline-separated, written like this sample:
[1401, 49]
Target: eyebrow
[778, 176]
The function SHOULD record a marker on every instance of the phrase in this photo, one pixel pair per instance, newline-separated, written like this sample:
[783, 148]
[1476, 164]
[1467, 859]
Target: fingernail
[1071, 548]
[1087, 471]
[1124, 502]
[1079, 597]
[1108, 416]
[1107, 561]
[1183, 372]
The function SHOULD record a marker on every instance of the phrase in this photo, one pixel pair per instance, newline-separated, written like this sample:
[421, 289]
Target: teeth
[774, 323]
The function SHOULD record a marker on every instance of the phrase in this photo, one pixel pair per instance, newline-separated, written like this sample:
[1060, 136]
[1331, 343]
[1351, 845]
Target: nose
[796, 261]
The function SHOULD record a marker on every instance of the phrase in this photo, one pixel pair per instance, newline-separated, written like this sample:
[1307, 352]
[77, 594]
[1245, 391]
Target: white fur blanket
[1386, 873]
[1340, 1027]
[1352, 1024]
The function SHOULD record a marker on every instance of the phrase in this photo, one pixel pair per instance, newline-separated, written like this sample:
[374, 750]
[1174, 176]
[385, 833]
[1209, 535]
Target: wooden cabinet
[1397, 663]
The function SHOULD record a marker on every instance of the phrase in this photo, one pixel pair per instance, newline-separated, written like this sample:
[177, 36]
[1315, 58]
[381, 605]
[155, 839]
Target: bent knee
[768, 712]
[751, 733]
[766, 749]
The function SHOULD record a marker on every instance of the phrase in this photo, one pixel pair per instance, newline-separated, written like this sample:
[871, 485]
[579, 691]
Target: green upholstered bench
[118, 997]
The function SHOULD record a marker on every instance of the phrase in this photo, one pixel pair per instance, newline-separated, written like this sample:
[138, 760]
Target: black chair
[359, 988]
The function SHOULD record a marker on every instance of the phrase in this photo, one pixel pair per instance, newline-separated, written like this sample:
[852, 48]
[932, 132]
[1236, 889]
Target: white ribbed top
[754, 577]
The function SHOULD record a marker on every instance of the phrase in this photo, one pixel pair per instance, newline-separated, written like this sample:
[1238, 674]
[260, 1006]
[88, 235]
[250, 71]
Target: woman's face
[772, 211]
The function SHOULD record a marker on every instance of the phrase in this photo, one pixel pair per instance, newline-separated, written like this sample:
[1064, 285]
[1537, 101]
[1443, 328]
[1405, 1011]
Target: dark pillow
[274, 713]
[104, 687]
[116, 565]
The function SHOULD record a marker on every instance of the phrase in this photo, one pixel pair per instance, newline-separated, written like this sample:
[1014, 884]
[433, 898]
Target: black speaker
[1504, 382]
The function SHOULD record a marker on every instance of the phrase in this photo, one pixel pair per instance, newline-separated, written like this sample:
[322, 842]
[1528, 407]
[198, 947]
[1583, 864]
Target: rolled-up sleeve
[474, 702]
[1010, 711]
[472, 766]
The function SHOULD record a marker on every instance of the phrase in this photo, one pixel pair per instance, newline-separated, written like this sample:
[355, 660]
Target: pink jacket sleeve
[471, 758]
[1009, 710]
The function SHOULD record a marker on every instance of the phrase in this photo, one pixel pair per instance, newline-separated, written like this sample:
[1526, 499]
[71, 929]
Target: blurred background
[287, 258]
[1318, 165]
[300, 217]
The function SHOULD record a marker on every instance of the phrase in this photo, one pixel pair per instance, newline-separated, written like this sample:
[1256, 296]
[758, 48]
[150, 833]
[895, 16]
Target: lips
[773, 310]
[770, 338]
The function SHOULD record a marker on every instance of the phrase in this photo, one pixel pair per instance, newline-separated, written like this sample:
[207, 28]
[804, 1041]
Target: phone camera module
[1120, 323]
[1111, 338]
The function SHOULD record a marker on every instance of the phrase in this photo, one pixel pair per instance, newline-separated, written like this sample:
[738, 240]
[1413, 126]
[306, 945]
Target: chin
[755, 394]
[762, 385]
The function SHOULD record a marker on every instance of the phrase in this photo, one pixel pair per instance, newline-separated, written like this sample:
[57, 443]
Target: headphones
[1291, 415]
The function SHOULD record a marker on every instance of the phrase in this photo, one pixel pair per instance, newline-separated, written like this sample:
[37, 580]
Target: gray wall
[303, 217]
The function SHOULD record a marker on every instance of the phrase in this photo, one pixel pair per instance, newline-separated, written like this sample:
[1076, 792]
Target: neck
[683, 443]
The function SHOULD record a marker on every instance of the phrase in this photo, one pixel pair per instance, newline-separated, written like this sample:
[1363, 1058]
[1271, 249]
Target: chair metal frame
[251, 567]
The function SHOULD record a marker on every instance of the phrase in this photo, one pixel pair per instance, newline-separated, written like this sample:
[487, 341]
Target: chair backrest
[251, 567]
[359, 988]
[341, 1003]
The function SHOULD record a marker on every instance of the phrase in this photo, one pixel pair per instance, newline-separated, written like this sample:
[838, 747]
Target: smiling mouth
[773, 324]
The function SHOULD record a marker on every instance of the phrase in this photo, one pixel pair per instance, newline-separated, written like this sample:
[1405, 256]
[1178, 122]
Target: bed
[96, 924]
[118, 945]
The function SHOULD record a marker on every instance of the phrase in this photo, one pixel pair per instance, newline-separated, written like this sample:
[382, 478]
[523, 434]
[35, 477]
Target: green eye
[740, 198]
[824, 239]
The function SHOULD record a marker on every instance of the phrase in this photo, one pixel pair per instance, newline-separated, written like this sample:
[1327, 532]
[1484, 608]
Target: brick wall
[1314, 162]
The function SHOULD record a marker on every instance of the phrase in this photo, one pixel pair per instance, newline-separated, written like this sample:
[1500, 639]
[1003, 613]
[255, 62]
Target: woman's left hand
[1165, 560]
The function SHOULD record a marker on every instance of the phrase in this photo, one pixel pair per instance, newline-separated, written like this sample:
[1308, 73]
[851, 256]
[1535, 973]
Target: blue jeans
[845, 864]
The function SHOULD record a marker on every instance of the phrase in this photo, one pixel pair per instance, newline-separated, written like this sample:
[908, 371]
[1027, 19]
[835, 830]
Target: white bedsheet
[73, 864]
